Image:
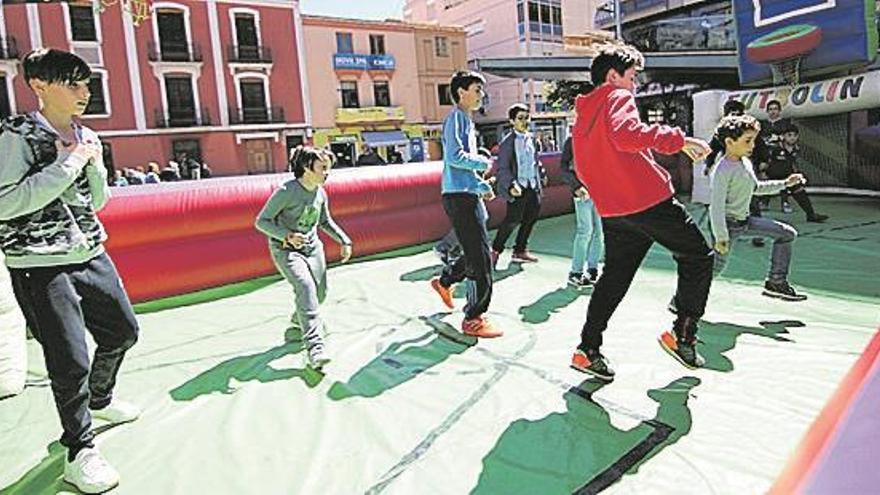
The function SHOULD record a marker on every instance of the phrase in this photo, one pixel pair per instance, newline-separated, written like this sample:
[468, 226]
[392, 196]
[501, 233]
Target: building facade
[379, 84]
[218, 80]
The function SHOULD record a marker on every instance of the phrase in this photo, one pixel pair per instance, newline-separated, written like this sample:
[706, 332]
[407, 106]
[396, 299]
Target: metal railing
[9, 48]
[256, 115]
[182, 117]
[705, 33]
[174, 52]
[249, 53]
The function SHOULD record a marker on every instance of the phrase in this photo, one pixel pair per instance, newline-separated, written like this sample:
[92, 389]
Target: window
[520, 12]
[382, 94]
[344, 43]
[97, 103]
[545, 13]
[377, 44]
[441, 46]
[173, 44]
[533, 12]
[349, 94]
[253, 101]
[443, 94]
[181, 101]
[192, 148]
[5, 108]
[82, 23]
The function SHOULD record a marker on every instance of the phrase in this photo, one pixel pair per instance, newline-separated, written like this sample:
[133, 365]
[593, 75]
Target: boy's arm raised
[629, 134]
[20, 193]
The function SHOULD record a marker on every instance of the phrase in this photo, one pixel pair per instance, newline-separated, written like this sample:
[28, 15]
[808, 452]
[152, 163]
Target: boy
[290, 219]
[782, 162]
[733, 184]
[520, 180]
[587, 244]
[634, 197]
[463, 190]
[52, 183]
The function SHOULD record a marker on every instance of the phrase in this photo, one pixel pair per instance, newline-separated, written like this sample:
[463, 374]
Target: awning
[385, 138]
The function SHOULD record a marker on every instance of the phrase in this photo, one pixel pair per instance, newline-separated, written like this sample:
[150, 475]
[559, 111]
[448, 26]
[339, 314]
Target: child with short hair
[733, 184]
[290, 219]
[782, 162]
[52, 183]
[463, 191]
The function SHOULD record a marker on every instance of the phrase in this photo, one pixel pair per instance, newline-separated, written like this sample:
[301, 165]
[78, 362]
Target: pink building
[216, 79]
[504, 28]
[381, 84]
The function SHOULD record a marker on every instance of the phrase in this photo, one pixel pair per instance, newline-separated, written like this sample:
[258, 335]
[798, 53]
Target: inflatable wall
[173, 238]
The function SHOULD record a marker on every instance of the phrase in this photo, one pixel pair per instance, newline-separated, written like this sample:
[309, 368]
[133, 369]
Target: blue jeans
[782, 234]
[588, 243]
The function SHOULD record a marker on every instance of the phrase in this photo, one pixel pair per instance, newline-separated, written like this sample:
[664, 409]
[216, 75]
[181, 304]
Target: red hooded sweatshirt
[612, 152]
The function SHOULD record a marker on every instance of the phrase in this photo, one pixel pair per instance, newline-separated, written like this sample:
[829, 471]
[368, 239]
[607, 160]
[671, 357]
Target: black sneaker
[594, 274]
[782, 290]
[593, 363]
[817, 218]
[684, 351]
[578, 280]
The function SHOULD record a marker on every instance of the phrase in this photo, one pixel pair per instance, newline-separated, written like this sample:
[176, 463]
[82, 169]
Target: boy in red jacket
[634, 197]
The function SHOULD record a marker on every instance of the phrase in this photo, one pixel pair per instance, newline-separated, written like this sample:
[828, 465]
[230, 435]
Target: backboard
[810, 37]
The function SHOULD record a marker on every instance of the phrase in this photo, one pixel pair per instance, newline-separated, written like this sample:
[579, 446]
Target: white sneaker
[317, 357]
[90, 472]
[117, 412]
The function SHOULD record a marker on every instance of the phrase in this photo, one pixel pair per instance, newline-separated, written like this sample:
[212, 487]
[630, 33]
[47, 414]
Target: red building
[217, 79]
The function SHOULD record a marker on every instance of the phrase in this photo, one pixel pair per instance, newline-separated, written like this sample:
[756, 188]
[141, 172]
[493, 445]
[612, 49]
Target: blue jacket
[508, 166]
[462, 166]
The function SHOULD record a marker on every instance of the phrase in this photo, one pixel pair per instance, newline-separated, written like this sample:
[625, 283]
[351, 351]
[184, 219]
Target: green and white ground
[411, 406]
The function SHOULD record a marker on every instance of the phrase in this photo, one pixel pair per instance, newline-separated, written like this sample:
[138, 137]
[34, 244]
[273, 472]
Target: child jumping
[52, 183]
[290, 219]
[733, 184]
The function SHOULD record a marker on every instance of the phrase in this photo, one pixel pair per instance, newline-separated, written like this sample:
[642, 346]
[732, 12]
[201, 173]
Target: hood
[588, 106]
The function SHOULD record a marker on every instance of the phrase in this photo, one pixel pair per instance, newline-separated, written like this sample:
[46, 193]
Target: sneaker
[786, 208]
[683, 351]
[817, 218]
[782, 290]
[758, 242]
[479, 326]
[523, 257]
[593, 363]
[317, 357]
[445, 292]
[117, 412]
[90, 472]
[578, 280]
[493, 258]
[594, 274]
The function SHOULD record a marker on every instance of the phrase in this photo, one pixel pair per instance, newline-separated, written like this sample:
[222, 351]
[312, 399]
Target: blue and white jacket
[462, 166]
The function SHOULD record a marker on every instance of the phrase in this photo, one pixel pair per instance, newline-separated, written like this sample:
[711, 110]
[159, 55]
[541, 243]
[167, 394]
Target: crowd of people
[184, 167]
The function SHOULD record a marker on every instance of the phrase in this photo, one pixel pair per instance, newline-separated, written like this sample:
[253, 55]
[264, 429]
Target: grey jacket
[506, 167]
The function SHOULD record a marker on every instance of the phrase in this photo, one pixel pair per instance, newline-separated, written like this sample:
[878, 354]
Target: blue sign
[353, 61]
[416, 149]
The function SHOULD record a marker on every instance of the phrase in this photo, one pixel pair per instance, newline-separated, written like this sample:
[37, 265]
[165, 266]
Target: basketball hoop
[139, 10]
[783, 51]
[786, 72]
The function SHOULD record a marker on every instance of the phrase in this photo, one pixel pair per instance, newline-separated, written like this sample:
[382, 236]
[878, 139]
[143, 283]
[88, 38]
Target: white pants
[13, 351]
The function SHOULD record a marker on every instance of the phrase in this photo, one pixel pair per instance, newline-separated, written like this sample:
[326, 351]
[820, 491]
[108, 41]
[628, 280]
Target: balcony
[705, 33]
[9, 49]
[249, 54]
[182, 117]
[174, 52]
[358, 62]
[256, 115]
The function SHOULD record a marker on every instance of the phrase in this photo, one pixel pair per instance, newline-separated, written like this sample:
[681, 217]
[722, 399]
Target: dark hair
[734, 126]
[774, 102]
[789, 127]
[463, 80]
[618, 57]
[55, 66]
[734, 107]
[303, 157]
[515, 109]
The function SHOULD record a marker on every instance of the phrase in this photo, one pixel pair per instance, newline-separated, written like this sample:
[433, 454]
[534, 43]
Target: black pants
[60, 303]
[523, 212]
[627, 240]
[468, 215]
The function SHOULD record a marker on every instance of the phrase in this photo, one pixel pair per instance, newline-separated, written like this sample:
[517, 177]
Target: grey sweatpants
[308, 276]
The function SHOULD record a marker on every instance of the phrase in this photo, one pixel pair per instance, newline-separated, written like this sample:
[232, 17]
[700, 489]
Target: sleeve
[504, 165]
[266, 223]
[330, 227]
[453, 147]
[629, 134]
[769, 187]
[20, 193]
[566, 165]
[720, 183]
[96, 173]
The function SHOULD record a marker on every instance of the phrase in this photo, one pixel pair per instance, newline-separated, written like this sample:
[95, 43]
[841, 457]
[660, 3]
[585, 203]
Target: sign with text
[369, 114]
[354, 61]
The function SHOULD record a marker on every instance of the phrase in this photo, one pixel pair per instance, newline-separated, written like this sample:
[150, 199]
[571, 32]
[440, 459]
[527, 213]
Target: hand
[345, 252]
[795, 180]
[722, 247]
[696, 149]
[515, 190]
[582, 193]
[294, 240]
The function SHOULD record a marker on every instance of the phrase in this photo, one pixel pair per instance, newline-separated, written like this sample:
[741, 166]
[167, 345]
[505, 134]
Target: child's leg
[512, 219]
[467, 218]
[52, 309]
[582, 234]
[596, 243]
[110, 318]
[783, 236]
[295, 269]
[531, 211]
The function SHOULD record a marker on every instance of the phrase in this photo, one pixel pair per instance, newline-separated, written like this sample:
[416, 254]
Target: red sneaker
[524, 257]
[479, 326]
[445, 292]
